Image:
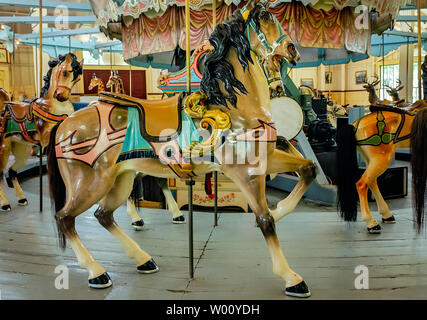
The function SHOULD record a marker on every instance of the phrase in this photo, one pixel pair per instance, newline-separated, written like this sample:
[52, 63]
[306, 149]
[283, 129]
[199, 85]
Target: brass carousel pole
[40, 86]
[216, 172]
[189, 182]
[419, 50]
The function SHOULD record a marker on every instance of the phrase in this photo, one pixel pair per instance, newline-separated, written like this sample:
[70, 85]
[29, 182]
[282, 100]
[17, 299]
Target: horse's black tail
[347, 174]
[419, 165]
[56, 185]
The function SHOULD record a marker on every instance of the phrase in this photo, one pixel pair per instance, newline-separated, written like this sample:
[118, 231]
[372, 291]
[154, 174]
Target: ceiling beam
[63, 33]
[47, 4]
[405, 34]
[48, 19]
[410, 19]
[108, 44]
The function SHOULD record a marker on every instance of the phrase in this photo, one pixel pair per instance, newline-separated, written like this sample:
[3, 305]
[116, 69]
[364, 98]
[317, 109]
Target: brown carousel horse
[115, 82]
[25, 124]
[376, 137]
[88, 162]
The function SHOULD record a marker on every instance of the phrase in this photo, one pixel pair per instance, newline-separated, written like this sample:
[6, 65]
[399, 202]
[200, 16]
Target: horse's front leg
[291, 161]
[21, 152]
[173, 208]
[254, 189]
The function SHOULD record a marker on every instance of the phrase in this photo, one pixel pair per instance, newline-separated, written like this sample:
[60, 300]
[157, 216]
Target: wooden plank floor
[232, 260]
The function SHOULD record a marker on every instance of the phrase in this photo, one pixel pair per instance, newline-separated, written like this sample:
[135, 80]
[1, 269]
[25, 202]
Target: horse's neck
[255, 105]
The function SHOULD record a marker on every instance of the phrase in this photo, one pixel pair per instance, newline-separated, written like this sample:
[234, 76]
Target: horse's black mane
[75, 65]
[230, 33]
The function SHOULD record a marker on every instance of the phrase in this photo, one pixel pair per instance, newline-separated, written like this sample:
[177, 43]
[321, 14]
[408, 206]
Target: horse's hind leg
[177, 216]
[291, 161]
[377, 164]
[387, 216]
[4, 157]
[254, 189]
[115, 197]
[137, 222]
[21, 151]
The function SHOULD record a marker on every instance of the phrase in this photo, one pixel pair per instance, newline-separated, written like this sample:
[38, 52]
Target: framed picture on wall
[328, 77]
[361, 77]
[308, 82]
[4, 56]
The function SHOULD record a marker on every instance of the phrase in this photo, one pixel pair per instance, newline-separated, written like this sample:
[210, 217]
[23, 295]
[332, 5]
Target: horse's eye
[265, 15]
[65, 73]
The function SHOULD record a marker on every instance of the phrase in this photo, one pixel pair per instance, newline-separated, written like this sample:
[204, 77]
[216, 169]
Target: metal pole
[69, 43]
[419, 49]
[216, 198]
[215, 173]
[190, 182]
[41, 85]
[130, 79]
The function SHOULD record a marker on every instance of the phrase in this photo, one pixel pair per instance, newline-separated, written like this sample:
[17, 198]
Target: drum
[288, 116]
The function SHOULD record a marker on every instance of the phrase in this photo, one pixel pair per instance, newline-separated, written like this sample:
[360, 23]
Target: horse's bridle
[270, 49]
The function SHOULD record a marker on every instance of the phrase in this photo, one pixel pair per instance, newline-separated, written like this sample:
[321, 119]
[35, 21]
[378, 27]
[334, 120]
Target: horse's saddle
[160, 120]
[19, 111]
[387, 107]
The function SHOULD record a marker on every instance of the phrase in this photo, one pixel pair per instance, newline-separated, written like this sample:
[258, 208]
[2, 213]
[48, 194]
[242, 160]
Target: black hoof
[376, 229]
[178, 220]
[148, 267]
[101, 282]
[389, 220]
[300, 290]
[5, 208]
[138, 225]
[23, 202]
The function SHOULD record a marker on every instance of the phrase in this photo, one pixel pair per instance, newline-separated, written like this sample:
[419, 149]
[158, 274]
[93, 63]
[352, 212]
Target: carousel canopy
[150, 27]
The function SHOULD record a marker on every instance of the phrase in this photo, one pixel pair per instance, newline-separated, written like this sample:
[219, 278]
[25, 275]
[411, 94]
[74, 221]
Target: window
[89, 60]
[391, 75]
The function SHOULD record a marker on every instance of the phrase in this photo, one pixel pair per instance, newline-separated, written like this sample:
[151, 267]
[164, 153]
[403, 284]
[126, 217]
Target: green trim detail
[381, 137]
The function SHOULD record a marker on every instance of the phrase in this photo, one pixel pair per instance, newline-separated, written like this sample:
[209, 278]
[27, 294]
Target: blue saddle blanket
[135, 146]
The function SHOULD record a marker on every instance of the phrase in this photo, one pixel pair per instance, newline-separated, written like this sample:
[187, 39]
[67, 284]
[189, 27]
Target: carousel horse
[24, 124]
[4, 97]
[376, 137]
[96, 82]
[115, 82]
[91, 158]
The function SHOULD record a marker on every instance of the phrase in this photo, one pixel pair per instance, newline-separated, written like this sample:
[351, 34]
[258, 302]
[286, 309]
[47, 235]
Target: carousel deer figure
[234, 103]
[394, 93]
[115, 82]
[370, 87]
[26, 124]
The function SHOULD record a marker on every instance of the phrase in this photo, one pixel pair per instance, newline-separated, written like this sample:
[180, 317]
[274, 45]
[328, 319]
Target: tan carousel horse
[115, 82]
[25, 124]
[88, 162]
[376, 137]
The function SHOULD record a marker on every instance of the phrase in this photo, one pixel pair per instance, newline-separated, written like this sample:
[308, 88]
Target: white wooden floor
[232, 260]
